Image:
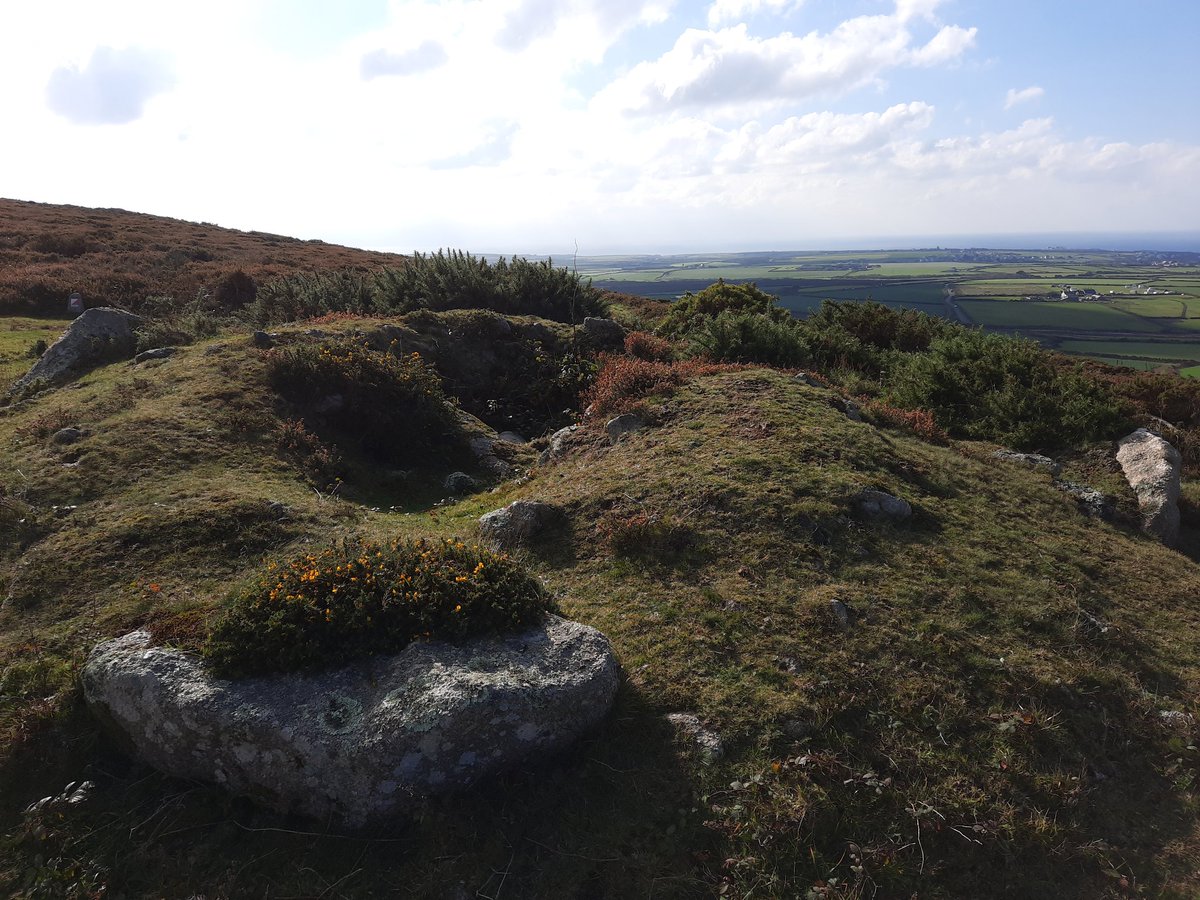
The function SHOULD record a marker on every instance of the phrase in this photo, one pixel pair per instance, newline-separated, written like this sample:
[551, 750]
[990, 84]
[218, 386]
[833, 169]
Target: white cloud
[378, 63]
[1014, 96]
[723, 11]
[732, 68]
[112, 88]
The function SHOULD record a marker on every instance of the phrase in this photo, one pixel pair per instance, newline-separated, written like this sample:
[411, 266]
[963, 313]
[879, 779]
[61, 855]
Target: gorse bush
[691, 309]
[986, 386]
[751, 337]
[438, 281]
[393, 405]
[458, 280]
[875, 325]
[357, 598]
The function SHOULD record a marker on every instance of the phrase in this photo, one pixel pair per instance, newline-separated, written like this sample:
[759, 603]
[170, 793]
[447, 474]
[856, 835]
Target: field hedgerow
[357, 598]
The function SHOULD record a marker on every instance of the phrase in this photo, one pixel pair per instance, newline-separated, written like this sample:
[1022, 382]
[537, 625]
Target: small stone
[558, 444]
[1032, 460]
[279, 510]
[622, 426]
[459, 483]
[70, 435]
[841, 612]
[708, 742]
[263, 340]
[61, 512]
[517, 523]
[808, 380]
[511, 437]
[880, 505]
[1091, 501]
[156, 353]
[603, 333]
[849, 408]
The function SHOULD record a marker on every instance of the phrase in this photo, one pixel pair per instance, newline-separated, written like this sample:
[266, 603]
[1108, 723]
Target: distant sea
[1171, 241]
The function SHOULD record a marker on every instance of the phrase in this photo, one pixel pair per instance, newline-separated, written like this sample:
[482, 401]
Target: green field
[17, 336]
[989, 287]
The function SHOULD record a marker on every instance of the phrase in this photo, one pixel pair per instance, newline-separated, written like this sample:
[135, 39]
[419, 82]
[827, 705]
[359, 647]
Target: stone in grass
[558, 444]
[459, 483]
[156, 353]
[518, 523]
[622, 426]
[708, 742]
[364, 743]
[1032, 460]
[69, 435]
[881, 505]
[98, 336]
[1151, 466]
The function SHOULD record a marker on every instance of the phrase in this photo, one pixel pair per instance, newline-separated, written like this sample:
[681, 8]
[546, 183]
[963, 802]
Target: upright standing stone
[1151, 467]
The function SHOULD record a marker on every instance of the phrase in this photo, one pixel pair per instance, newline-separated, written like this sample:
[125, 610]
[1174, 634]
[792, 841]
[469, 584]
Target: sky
[611, 126]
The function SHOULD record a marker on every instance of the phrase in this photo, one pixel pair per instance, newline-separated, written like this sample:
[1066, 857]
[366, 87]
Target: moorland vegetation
[995, 697]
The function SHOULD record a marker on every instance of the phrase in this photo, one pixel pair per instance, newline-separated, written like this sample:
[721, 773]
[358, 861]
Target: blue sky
[530, 126]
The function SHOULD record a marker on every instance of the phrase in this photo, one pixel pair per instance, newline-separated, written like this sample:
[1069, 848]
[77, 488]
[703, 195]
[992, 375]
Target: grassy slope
[974, 733]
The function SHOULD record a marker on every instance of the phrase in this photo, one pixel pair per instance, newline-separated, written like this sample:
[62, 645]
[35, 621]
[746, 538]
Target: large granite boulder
[1151, 467]
[98, 336]
[362, 743]
[518, 523]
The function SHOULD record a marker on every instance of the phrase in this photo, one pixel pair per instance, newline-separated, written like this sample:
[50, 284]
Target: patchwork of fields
[1140, 310]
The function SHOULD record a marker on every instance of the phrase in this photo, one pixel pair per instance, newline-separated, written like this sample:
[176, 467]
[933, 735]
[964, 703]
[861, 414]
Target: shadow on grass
[608, 818]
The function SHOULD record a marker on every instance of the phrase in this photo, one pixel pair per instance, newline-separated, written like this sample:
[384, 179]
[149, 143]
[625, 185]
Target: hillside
[115, 257]
[994, 697]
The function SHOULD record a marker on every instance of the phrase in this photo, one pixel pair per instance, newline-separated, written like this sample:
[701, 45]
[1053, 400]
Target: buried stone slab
[363, 743]
[882, 506]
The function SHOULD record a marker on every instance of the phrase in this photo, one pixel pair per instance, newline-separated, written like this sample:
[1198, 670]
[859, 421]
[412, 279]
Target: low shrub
[691, 309]
[357, 598]
[918, 421]
[394, 406]
[318, 461]
[623, 382]
[236, 290]
[991, 387]
[644, 345]
[645, 535]
[880, 326]
[751, 337]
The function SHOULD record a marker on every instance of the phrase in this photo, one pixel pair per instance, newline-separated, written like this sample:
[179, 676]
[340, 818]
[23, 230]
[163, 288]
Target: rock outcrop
[881, 505]
[1151, 467]
[98, 336]
[517, 523]
[359, 744]
[1031, 460]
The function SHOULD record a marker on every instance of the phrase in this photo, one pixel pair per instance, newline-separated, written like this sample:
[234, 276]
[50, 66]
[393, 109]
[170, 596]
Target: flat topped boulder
[362, 743]
[98, 336]
[1151, 466]
[518, 523]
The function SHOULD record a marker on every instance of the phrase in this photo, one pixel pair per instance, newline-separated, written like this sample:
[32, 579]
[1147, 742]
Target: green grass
[1061, 315]
[17, 335]
[955, 737]
[1164, 351]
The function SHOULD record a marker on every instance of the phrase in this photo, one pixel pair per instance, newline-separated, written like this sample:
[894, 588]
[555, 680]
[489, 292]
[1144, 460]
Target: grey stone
[263, 340]
[156, 353]
[98, 336]
[331, 403]
[603, 333]
[1032, 460]
[841, 613]
[880, 505]
[558, 443]
[624, 425]
[1091, 501]
[511, 437]
[849, 408]
[809, 380]
[708, 742]
[517, 523]
[363, 743]
[69, 435]
[1151, 466]
[459, 483]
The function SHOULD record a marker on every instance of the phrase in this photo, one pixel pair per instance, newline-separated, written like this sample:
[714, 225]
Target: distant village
[1067, 292]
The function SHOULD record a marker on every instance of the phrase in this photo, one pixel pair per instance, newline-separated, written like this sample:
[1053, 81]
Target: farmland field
[1144, 312]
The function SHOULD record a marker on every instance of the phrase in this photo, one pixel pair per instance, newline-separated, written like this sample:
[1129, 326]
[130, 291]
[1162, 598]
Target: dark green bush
[690, 310]
[991, 387]
[306, 296]
[458, 280]
[356, 598]
[879, 326]
[236, 290]
[394, 406]
[751, 337]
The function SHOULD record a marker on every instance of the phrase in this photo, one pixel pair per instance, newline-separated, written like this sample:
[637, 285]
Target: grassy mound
[358, 598]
